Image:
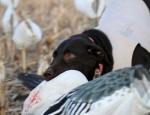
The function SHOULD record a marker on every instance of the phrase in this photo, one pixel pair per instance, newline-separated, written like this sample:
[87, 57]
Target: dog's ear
[98, 52]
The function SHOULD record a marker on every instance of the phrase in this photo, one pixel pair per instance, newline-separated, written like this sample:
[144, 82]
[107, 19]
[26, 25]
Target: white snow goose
[47, 92]
[121, 92]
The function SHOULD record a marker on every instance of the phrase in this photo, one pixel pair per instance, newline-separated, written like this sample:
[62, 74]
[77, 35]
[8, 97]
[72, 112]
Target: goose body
[121, 92]
[12, 3]
[47, 92]
[91, 8]
[28, 34]
[10, 20]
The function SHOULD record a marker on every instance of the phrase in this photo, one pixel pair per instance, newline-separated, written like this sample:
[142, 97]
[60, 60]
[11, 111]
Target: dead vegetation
[58, 20]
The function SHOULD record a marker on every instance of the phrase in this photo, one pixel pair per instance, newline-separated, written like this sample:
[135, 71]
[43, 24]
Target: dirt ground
[58, 20]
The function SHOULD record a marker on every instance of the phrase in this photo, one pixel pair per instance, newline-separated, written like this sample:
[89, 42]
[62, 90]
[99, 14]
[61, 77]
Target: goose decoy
[13, 3]
[48, 91]
[121, 92]
[28, 34]
[26, 37]
[10, 20]
[91, 8]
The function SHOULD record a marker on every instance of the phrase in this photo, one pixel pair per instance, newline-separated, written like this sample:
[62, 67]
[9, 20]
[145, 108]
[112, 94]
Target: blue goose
[121, 92]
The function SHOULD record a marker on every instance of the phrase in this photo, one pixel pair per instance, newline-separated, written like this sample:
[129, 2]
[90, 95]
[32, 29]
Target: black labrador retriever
[83, 52]
[86, 51]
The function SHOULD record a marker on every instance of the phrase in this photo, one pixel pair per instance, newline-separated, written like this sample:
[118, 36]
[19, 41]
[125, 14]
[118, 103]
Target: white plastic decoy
[91, 8]
[10, 20]
[28, 34]
[12, 3]
[47, 92]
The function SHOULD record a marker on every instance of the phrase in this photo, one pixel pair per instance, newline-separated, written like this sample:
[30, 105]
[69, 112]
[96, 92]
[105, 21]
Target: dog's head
[79, 52]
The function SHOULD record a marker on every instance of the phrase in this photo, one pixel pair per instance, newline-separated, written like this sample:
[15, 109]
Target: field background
[58, 20]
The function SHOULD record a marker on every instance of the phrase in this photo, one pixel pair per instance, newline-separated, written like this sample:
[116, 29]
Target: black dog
[83, 52]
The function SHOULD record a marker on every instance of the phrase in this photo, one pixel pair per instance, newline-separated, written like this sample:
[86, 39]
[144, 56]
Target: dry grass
[58, 20]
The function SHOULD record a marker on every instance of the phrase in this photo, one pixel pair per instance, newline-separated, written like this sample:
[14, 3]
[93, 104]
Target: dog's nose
[48, 74]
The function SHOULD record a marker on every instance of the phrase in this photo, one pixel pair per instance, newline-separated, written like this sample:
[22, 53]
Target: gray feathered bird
[125, 91]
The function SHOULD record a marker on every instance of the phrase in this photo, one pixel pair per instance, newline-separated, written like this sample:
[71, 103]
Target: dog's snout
[48, 74]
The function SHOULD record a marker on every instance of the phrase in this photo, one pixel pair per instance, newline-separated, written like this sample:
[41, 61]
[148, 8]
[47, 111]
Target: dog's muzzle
[48, 74]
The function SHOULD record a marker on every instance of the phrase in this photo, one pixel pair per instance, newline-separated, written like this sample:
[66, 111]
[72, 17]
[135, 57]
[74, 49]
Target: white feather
[48, 92]
[123, 102]
[27, 36]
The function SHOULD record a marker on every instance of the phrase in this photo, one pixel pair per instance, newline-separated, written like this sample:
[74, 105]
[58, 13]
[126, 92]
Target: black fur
[141, 56]
[101, 40]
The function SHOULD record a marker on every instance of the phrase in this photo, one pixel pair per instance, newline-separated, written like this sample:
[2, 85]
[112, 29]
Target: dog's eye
[69, 56]
[66, 51]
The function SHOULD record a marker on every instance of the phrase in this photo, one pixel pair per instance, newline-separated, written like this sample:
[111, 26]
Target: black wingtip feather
[30, 80]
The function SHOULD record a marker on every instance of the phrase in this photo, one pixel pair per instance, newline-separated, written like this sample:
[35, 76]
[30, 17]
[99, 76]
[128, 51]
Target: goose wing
[111, 86]
[30, 80]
